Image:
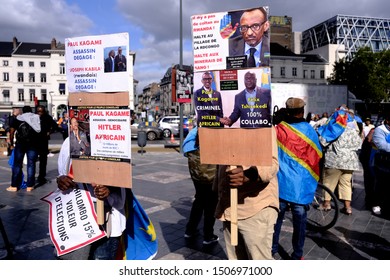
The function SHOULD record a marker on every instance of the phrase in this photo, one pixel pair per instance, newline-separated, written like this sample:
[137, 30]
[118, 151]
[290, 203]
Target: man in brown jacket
[257, 210]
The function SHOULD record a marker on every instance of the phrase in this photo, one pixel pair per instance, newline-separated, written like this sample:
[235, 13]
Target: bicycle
[318, 218]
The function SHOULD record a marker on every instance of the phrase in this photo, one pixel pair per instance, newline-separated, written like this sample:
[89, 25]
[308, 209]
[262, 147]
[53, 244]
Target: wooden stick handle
[100, 211]
[233, 214]
[233, 217]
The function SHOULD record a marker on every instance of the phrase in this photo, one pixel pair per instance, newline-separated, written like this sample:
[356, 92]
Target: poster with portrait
[183, 85]
[231, 40]
[100, 133]
[97, 63]
[233, 98]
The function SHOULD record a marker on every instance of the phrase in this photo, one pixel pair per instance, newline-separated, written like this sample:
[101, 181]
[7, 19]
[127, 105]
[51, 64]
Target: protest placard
[72, 220]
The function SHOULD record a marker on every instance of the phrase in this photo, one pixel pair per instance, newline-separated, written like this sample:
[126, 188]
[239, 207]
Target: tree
[367, 75]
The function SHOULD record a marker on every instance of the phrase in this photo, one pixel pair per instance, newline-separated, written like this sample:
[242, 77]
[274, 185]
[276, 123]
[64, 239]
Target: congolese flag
[335, 125]
[139, 240]
[299, 154]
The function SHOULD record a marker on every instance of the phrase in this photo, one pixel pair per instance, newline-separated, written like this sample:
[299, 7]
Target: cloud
[153, 25]
[159, 20]
[41, 20]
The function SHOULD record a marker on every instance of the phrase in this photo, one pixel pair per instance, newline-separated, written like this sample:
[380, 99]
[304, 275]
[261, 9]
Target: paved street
[163, 186]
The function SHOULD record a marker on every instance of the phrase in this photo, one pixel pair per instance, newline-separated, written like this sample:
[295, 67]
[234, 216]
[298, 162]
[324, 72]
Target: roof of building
[6, 48]
[314, 58]
[279, 50]
[33, 49]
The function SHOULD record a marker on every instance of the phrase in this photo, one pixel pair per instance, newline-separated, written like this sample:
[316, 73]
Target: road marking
[162, 204]
[6, 168]
[162, 177]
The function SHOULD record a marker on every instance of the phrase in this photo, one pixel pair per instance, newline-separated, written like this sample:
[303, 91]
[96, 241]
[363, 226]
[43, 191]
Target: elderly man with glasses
[253, 41]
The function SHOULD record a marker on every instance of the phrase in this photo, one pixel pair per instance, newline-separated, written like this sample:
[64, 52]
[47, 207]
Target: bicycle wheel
[319, 219]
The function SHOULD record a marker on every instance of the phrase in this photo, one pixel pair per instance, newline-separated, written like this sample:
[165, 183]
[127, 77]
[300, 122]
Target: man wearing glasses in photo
[208, 103]
[253, 41]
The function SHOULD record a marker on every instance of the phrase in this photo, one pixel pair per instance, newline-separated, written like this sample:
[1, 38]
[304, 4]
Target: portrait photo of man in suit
[252, 105]
[109, 65]
[208, 103]
[120, 61]
[253, 41]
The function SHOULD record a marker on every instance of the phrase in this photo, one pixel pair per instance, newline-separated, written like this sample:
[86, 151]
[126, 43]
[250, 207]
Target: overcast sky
[153, 25]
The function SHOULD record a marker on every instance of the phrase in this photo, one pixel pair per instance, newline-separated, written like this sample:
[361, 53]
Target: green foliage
[367, 75]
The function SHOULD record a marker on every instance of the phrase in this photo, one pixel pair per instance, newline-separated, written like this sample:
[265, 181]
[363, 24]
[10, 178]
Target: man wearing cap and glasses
[253, 41]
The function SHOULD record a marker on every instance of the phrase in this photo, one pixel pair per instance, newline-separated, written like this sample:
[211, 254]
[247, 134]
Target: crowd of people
[304, 152]
[29, 135]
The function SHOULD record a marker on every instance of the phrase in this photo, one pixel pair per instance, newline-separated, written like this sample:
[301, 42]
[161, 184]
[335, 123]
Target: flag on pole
[335, 125]
[139, 240]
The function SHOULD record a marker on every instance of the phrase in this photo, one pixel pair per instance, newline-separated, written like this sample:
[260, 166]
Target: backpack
[25, 134]
[203, 173]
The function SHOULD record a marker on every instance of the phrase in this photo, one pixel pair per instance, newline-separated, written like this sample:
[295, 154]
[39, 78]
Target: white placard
[110, 133]
[87, 69]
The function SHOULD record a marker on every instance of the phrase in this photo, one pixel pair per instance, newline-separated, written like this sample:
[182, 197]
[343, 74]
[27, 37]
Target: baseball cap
[295, 103]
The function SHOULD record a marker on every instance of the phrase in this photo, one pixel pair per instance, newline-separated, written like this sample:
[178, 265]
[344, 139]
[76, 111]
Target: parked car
[170, 125]
[152, 132]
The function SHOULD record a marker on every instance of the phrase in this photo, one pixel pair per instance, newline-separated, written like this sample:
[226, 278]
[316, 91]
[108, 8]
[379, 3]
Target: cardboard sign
[239, 146]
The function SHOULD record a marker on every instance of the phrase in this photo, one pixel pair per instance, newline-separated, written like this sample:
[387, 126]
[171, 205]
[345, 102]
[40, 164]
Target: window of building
[272, 72]
[43, 94]
[305, 74]
[5, 76]
[62, 68]
[62, 89]
[322, 74]
[31, 63]
[31, 77]
[312, 74]
[20, 77]
[43, 64]
[43, 77]
[32, 94]
[20, 94]
[5, 62]
[20, 63]
[6, 95]
[282, 71]
[294, 71]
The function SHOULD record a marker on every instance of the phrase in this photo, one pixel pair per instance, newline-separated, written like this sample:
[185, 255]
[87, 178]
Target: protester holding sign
[257, 210]
[115, 220]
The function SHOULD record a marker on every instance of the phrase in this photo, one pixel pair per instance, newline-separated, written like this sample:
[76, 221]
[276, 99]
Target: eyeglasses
[255, 27]
[207, 79]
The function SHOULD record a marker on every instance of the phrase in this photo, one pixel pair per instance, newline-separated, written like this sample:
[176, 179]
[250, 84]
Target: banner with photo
[100, 133]
[231, 40]
[97, 63]
[221, 98]
[183, 85]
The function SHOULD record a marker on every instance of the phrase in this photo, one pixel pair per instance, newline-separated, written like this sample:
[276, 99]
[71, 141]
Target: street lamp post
[180, 67]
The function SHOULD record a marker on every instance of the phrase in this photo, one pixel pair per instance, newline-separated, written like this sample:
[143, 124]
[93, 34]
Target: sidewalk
[163, 186]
